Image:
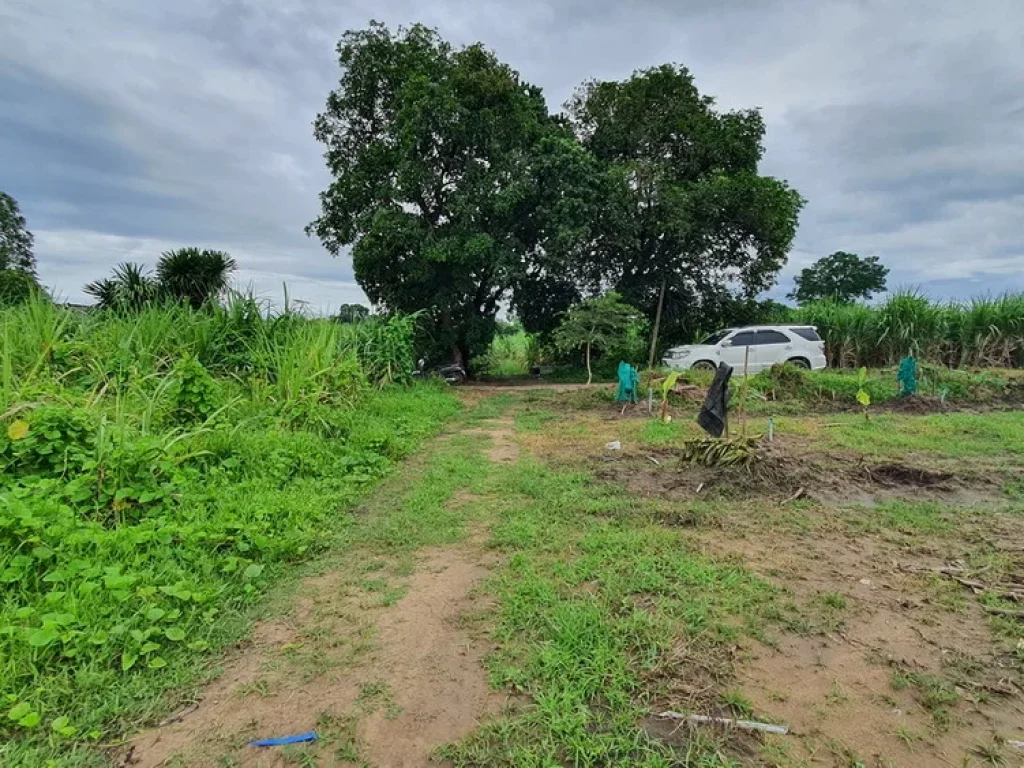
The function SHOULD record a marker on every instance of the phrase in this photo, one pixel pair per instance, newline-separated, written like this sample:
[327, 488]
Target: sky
[128, 128]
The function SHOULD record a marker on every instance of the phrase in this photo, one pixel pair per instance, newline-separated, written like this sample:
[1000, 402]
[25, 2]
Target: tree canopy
[842, 277]
[456, 191]
[352, 313]
[17, 262]
[15, 239]
[444, 162]
[684, 205]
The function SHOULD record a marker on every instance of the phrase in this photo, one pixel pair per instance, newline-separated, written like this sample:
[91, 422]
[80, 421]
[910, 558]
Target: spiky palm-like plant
[130, 287]
[195, 275]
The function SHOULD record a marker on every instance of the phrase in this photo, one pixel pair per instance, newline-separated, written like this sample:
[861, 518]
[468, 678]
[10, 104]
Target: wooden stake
[657, 326]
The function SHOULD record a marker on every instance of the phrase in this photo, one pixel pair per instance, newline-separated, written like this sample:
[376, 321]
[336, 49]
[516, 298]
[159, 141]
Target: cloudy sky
[129, 127]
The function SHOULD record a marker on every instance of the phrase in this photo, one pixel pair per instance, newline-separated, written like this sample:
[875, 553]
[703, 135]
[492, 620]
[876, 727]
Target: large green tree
[15, 239]
[17, 262]
[445, 164]
[352, 313]
[842, 277]
[685, 213]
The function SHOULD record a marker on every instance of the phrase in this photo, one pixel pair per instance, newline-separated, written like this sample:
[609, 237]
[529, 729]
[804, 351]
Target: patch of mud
[410, 676]
[894, 474]
[919, 404]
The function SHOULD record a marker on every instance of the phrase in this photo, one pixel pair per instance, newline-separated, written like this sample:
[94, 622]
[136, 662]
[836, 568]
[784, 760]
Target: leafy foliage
[156, 470]
[666, 387]
[17, 262]
[599, 323]
[863, 397]
[429, 147]
[352, 313]
[131, 287]
[15, 239]
[196, 395]
[194, 275]
[987, 331]
[190, 275]
[16, 286]
[681, 201]
[842, 277]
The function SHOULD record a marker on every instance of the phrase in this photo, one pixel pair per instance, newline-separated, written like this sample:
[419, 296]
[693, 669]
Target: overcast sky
[129, 127]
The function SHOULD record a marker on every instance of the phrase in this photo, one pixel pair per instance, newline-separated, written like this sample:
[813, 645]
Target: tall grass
[105, 349]
[985, 332]
[156, 468]
[508, 355]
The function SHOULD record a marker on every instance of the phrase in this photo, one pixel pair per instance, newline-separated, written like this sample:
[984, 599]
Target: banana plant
[666, 387]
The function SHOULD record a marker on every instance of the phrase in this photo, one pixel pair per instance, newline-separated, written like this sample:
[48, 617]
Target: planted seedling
[862, 395]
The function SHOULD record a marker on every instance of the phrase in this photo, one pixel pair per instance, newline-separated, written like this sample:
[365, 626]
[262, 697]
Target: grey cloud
[127, 128]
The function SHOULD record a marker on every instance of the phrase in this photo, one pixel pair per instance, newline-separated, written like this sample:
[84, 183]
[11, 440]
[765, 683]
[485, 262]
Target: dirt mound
[783, 473]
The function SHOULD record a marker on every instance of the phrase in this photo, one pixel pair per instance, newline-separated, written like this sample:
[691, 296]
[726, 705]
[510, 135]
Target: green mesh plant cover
[629, 384]
[907, 376]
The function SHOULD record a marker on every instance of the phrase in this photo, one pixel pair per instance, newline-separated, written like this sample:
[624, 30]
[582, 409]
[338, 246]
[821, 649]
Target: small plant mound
[722, 452]
[786, 381]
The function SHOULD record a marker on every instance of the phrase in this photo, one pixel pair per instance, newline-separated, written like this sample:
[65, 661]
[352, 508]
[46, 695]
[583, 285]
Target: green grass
[159, 472]
[594, 599]
[533, 419]
[508, 355]
[934, 693]
[911, 518]
[949, 435]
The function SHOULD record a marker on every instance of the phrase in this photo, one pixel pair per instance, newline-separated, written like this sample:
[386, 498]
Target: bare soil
[883, 659]
[417, 659]
[503, 447]
[833, 685]
[382, 684]
[786, 471]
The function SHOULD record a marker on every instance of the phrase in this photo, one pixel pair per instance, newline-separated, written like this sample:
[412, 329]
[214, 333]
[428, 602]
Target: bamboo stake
[743, 392]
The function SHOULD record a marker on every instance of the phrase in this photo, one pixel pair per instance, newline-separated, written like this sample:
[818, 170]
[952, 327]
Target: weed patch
[158, 472]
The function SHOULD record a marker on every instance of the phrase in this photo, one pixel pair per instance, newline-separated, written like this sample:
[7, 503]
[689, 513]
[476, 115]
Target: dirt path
[382, 663]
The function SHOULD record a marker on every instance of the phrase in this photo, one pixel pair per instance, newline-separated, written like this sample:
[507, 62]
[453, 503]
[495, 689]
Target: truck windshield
[714, 338]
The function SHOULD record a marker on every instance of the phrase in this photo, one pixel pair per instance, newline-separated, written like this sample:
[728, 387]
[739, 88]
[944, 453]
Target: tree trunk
[657, 326]
[590, 376]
